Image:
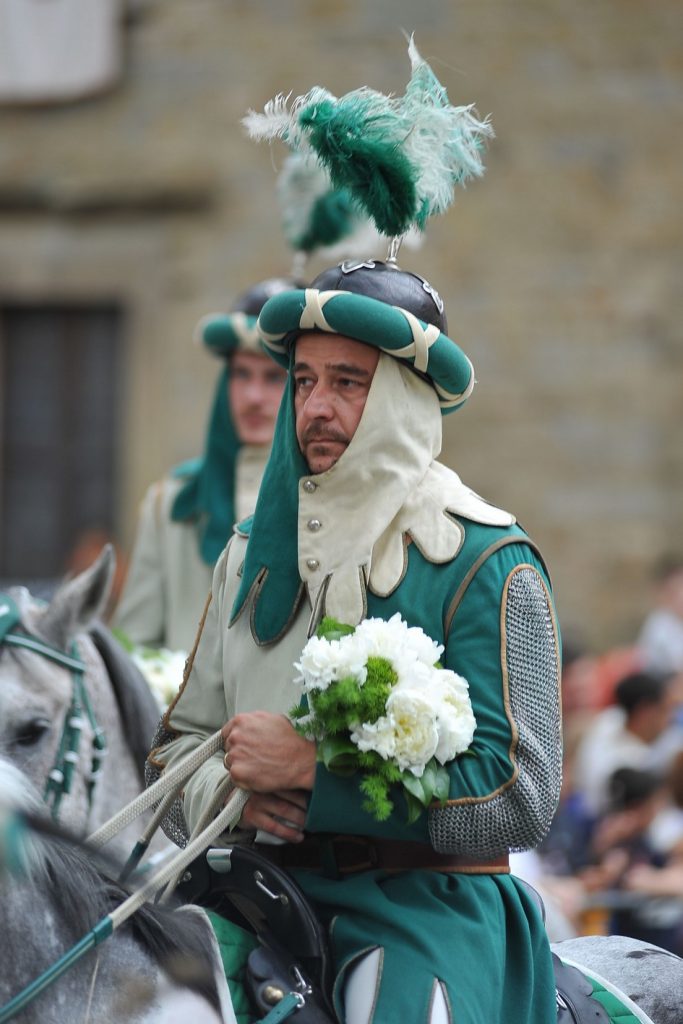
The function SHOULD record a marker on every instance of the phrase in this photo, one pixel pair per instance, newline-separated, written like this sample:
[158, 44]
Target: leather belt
[348, 855]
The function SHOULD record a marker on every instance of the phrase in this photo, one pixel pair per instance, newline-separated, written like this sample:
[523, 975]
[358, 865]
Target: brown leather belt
[350, 854]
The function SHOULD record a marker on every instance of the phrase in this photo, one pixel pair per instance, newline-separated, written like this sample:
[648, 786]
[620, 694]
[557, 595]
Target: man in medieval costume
[356, 519]
[186, 518]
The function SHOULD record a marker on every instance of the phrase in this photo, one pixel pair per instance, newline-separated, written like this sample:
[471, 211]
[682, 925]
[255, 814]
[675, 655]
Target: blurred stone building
[131, 203]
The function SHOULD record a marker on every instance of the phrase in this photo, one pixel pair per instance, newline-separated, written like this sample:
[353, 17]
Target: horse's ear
[78, 601]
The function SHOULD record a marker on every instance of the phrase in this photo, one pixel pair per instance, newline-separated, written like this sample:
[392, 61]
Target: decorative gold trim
[363, 575]
[474, 569]
[252, 588]
[406, 539]
[317, 606]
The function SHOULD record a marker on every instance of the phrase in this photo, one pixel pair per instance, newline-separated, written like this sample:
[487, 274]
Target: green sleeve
[504, 640]
[475, 649]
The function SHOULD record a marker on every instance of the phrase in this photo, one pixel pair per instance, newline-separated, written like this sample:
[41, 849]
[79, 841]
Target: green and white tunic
[424, 545]
[169, 578]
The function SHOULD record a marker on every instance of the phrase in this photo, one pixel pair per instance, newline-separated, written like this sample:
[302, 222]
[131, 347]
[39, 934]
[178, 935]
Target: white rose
[412, 674]
[399, 643]
[425, 649]
[415, 729]
[383, 638]
[455, 718]
[377, 736]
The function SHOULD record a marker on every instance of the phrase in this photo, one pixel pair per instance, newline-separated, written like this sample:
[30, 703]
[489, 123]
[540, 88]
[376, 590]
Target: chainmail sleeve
[517, 815]
[173, 822]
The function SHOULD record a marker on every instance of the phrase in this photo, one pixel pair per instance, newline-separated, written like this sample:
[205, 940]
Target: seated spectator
[621, 847]
[622, 736]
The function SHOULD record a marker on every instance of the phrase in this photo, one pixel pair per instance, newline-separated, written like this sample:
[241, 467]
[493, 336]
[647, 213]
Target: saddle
[245, 886]
[293, 956]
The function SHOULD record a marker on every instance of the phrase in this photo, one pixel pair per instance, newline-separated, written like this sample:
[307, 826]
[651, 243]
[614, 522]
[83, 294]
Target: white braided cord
[171, 779]
[227, 819]
[204, 819]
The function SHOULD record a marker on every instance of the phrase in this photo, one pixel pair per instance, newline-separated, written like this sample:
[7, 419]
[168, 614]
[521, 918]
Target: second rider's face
[255, 390]
[332, 378]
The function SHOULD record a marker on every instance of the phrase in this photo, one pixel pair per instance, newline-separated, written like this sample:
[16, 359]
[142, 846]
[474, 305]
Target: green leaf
[331, 629]
[415, 807]
[429, 779]
[442, 788]
[338, 754]
[414, 787]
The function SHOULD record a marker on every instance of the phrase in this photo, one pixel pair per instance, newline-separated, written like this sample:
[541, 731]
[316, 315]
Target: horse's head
[57, 693]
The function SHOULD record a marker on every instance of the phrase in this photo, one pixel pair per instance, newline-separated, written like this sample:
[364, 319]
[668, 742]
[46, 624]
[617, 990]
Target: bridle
[60, 778]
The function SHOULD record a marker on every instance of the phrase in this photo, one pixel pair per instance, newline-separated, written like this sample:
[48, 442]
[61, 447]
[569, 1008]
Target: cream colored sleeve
[140, 613]
[200, 708]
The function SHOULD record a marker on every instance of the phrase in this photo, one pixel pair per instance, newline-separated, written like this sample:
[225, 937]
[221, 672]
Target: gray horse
[162, 967]
[36, 695]
[649, 980]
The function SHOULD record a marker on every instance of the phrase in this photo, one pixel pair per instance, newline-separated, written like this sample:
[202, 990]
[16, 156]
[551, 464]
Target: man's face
[332, 377]
[255, 389]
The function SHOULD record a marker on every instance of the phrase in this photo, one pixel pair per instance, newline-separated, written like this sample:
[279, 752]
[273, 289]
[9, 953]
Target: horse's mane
[83, 888]
[138, 708]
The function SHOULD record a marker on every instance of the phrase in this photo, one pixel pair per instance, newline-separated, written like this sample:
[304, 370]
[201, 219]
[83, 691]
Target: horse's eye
[30, 733]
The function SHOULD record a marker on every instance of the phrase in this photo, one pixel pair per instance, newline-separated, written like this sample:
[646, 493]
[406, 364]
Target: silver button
[312, 564]
[310, 486]
[314, 525]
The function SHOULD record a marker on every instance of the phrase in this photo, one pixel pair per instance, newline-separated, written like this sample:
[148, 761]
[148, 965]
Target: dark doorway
[60, 378]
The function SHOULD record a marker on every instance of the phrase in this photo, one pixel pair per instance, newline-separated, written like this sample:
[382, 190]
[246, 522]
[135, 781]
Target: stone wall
[560, 270]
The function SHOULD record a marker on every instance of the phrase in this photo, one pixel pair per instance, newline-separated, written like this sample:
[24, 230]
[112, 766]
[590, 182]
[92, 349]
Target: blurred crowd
[613, 860]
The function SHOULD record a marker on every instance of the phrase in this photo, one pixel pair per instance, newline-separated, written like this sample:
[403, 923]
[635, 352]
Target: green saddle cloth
[617, 1011]
[235, 946]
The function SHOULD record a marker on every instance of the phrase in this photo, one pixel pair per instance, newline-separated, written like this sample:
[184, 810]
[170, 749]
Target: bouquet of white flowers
[377, 701]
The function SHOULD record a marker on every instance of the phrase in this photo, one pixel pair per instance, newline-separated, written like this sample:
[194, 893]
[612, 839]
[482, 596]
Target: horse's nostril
[30, 733]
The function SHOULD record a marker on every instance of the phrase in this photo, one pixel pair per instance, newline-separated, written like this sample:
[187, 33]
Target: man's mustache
[317, 432]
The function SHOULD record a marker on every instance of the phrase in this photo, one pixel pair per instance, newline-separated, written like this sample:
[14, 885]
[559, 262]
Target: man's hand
[265, 754]
[281, 814]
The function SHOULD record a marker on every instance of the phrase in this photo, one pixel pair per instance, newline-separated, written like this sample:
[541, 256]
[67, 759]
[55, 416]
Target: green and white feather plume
[399, 158]
[319, 219]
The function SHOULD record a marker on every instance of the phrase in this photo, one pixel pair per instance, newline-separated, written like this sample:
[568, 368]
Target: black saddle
[245, 886]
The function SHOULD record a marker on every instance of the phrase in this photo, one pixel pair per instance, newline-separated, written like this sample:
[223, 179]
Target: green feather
[361, 152]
